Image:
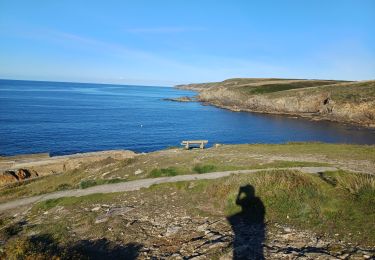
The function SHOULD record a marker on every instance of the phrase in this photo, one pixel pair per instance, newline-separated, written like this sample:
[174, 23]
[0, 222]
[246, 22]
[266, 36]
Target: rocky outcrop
[347, 102]
[58, 164]
[17, 176]
[181, 99]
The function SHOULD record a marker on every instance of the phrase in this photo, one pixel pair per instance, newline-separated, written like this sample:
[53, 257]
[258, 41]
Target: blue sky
[170, 42]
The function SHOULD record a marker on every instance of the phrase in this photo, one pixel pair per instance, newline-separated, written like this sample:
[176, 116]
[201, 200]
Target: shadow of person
[106, 249]
[44, 246]
[248, 225]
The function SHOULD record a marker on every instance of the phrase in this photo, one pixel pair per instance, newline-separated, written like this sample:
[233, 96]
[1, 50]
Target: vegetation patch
[164, 172]
[269, 88]
[64, 186]
[289, 164]
[224, 158]
[293, 198]
[90, 183]
[204, 168]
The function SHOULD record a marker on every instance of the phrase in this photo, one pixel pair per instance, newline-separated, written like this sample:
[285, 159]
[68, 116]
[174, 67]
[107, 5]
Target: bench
[200, 143]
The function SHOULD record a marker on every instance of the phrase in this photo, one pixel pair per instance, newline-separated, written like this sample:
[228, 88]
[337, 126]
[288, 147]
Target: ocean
[66, 118]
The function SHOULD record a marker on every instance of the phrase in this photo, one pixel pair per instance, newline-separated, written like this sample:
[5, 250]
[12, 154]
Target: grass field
[173, 162]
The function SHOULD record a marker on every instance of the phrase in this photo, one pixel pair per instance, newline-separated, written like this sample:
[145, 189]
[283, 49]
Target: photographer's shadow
[248, 225]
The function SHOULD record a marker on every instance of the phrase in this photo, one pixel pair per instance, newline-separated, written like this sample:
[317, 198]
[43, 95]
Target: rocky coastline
[344, 102]
[181, 99]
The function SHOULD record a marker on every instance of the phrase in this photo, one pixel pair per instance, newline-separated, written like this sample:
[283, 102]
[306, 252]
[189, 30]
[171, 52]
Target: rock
[95, 209]
[119, 211]
[19, 175]
[105, 174]
[8, 178]
[101, 219]
[139, 171]
[181, 99]
[288, 230]
[23, 174]
[202, 227]
[172, 230]
[344, 256]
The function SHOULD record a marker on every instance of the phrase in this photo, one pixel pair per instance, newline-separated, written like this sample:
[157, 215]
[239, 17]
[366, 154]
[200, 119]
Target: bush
[204, 168]
[163, 172]
[87, 183]
[64, 186]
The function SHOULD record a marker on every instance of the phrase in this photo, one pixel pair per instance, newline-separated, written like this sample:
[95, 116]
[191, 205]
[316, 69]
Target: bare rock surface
[46, 165]
[172, 232]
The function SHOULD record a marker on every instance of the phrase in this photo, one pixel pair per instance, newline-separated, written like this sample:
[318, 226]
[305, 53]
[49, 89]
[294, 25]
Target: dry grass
[227, 157]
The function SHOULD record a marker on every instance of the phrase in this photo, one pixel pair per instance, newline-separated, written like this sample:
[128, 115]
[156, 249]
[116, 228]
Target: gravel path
[144, 183]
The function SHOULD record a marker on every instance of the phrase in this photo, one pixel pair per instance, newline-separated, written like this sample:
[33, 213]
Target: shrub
[87, 183]
[170, 171]
[64, 186]
[204, 168]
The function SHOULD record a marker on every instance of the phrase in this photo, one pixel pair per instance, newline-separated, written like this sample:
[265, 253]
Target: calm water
[65, 118]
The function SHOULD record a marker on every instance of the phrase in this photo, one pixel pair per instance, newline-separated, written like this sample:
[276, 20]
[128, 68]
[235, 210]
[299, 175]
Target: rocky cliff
[342, 101]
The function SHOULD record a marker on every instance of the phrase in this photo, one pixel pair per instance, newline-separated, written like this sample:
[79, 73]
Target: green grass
[90, 183]
[353, 93]
[176, 162]
[164, 172]
[205, 168]
[342, 205]
[301, 200]
[270, 88]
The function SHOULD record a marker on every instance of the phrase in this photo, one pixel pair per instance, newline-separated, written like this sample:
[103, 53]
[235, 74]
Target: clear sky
[159, 42]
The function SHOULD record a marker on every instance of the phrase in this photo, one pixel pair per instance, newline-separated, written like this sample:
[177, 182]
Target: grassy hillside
[179, 161]
[316, 216]
[337, 207]
[342, 101]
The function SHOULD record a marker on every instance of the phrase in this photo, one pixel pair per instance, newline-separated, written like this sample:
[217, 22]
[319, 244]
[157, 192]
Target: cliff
[341, 101]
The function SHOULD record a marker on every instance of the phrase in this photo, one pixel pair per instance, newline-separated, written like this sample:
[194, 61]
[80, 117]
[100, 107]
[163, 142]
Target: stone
[101, 219]
[119, 211]
[172, 230]
[288, 230]
[139, 171]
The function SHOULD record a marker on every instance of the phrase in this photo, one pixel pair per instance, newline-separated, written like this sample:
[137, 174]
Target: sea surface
[66, 118]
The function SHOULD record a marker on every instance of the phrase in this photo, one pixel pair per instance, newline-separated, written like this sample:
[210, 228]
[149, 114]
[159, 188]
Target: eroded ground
[300, 216]
[279, 214]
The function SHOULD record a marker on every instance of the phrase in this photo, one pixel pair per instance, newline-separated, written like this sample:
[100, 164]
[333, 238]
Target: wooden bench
[190, 143]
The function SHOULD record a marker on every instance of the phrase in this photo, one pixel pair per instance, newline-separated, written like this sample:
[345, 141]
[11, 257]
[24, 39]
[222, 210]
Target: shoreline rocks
[181, 99]
[343, 102]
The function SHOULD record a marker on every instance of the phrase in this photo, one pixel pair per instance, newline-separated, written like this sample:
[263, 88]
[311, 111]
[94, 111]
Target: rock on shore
[18, 168]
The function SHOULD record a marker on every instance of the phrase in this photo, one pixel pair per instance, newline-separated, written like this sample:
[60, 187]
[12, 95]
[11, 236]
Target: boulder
[23, 174]
[19, 175]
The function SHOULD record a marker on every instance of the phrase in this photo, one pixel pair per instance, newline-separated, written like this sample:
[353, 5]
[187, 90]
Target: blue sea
[66, 118]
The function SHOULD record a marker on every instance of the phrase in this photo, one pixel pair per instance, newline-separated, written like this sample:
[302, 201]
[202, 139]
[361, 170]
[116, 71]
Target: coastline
[26, 168]
[316, 103]
[308, 116]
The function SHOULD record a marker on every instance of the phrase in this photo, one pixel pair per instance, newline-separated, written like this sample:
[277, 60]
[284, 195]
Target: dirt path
[144, 183]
